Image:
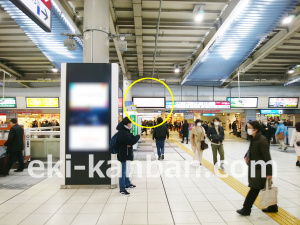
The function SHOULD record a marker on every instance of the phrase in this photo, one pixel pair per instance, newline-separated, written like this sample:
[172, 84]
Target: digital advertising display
[149, 102]
[237, 102]
[42, 102]
[283, 102]
[8, 102]
[199, 105]
[89, 111]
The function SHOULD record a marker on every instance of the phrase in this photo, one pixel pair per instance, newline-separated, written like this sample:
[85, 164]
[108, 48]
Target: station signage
[195, 111]
[199, 105]
[271, 111]
[42, 102]
[237, 102]
[37, 10]
[208, 114]
[9, 102]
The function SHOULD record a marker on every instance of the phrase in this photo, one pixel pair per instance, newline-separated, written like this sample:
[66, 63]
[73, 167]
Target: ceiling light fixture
[199, 12]
[54, 69]
[288, 19]
[176, 70]
[291, 71]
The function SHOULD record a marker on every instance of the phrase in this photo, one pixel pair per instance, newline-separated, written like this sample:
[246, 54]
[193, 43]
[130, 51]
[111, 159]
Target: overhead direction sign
[38, 10]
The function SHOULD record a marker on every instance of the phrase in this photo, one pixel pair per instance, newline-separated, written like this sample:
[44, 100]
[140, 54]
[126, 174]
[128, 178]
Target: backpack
[113, 145]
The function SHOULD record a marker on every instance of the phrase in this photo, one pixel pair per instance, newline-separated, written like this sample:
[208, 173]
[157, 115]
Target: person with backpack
[159, 134]
[125, 141]
[282, 133]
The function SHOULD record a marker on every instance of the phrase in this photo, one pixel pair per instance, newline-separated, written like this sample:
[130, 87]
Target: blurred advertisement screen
[149, 102]
[243, 102]
[89, 115]
[283, 102]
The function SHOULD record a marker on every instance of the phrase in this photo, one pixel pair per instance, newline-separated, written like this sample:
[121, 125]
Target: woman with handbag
[259, 150]
[282, 133]
[295, 141]
[197, 140]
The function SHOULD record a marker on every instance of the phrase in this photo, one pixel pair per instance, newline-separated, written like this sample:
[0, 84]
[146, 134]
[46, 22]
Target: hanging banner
[37, 10]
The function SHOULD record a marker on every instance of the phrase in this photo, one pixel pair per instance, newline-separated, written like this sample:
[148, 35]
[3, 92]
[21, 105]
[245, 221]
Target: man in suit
[15, 145]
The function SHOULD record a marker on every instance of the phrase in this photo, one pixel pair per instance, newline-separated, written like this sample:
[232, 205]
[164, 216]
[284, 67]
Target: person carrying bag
[259, 150]
[198, 141]
[268, 196]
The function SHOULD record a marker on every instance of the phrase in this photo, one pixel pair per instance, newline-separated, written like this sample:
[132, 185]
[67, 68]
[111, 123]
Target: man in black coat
[259, 150]
[15, 146]
[185, 131]
[159, 134]
[216, 135]
[125, 141]
[266, 130]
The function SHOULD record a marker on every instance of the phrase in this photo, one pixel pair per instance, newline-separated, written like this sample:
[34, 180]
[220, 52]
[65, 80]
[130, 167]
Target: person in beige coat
[197, 135]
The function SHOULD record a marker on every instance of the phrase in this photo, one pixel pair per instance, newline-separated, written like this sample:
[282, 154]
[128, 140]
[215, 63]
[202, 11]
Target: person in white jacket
[295, 141]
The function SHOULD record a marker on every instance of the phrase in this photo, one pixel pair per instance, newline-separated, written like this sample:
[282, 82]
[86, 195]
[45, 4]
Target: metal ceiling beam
[138, 25]
[10, 71]
[120, 57]
[154, 10]
[70, 15]
[31, 81]
[268, 48]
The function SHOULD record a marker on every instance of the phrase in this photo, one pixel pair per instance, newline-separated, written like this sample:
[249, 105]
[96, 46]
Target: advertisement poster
[283, 102]
[243, 102]
[134, 127]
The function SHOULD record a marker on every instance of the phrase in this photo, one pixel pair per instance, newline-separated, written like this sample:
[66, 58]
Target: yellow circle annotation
[148, 78]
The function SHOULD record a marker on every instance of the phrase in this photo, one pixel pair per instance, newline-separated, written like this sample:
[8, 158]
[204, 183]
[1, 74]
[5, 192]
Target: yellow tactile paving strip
[282, 217]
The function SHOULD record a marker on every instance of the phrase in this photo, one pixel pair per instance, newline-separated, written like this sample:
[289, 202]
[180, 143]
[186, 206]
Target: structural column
[126, 84]
[96, 29]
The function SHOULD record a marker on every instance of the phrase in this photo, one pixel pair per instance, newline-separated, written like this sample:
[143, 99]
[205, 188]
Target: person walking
[125, 141]
[216, 135]
[259, 150]
[15, 146]
[282, 133]
[266, 130]
[295, 141]
[274, 127]
[197, 135]
[185, 132]
[160, 134]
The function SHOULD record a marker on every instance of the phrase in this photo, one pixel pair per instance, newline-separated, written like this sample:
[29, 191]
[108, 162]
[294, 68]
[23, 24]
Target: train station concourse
[149, 112]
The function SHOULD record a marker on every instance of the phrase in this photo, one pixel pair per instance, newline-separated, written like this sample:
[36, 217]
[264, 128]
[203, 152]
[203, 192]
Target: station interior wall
[180, 93]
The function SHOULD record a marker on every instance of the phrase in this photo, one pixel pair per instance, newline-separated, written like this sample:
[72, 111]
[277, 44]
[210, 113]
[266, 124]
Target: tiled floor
[160, 200]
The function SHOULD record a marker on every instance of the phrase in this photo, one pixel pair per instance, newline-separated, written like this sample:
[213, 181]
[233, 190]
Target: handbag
[298, 143]
[280, 135]
[204, 145]
[268, 196]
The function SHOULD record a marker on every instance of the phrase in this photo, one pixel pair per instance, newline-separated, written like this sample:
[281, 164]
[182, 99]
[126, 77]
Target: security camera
[71, 44]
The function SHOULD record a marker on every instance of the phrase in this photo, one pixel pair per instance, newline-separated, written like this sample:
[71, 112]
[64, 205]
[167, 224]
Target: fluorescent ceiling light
[176, 70]
[54, 70]
[199, 16]
[288, 19]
